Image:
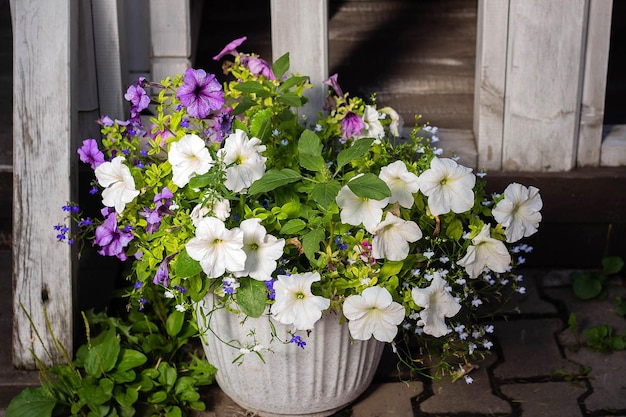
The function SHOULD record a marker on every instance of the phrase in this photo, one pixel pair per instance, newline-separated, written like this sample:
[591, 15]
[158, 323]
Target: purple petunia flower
[153, 218]
[90, 154]
[137, 97]
[259, 66]
[111, 239]
[351, 125]
[332, 81]
[230, 49]
[162, 275]
[219, 126]
[200, 93]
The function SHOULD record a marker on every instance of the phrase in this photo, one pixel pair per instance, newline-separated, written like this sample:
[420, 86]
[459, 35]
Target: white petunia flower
[262, 250]
[395, 127]
[118, 182]
[448, 186]
[188, 156]
[243, 159]
[373, 313]
[392, 237]
[438, 304]
[373, 127]
[401, 182]
[356, 210]
[295, 303]
[519, 212]
[216, 248]
[216, 208]
[485, 252]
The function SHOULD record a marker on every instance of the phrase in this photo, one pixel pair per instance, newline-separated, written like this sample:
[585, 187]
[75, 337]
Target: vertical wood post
[43, 167]
[170, 35]
[301, 28]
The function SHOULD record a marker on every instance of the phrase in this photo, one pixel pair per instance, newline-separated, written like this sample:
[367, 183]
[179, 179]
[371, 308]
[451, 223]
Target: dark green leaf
[292, 226]
[612, 265]
[167, 375]
[128, 397]
[291, 99]
[272, 180]
[130, 359]
[31, 402]
[311, 242]
[200, 181]
[157, 397]
[310, 151]
[586, 286]
[280, 66]
[186, 266]
[253, 87]
[174, 323]
[251, 296]
[244, 104]
[103, 354]
[357, 150]
[260, 124]
[324, 193]
[291, 81]
[369, 186]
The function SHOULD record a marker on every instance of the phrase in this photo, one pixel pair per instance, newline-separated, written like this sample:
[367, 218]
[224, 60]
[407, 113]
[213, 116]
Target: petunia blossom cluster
[226, 189]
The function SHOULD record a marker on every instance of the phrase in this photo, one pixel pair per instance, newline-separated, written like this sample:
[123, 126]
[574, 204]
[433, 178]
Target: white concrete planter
[324, 377]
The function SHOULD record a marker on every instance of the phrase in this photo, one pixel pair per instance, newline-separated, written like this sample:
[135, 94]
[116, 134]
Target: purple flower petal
[231, 48]
[200, 93]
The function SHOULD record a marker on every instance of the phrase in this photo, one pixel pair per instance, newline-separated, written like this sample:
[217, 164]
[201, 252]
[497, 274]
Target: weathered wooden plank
[301, 28]
[543, 81]
[137, 33]
[594, 82]
[44, 163]
[170, 36]
[613, 151]
[491, 44]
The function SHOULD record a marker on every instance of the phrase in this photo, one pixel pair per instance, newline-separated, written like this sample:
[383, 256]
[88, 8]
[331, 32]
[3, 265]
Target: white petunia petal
[243, 159]
[357, 210]
[519, 211]
[119, 184]
[485, 252]
[402, 183]
[373, 313]
[392, 237]
[262, 250]
[188, 156]
[448, 186]
[295, 303]
[437, 304]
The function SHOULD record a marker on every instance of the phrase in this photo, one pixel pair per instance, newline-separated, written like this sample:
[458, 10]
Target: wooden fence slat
[43, 167]
[543, 84]
[594, 83]
[170, 36]
[301, 28]
[491, 44]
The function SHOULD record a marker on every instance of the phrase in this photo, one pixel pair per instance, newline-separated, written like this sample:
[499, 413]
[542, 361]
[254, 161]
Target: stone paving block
[529, 349]
[462, 398]
[606, 376]
[219, 404]
[547, 399]
[391, 399]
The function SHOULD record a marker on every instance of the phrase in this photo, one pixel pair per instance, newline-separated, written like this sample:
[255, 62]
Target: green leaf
[245, 103]
[310, 151]
[390, 268]
[280, 67]
[174, 323]
[292, 226]
[201, 181]
[167, 375]
[272, 180]
[157, 397]
[357, 150]
[103, 354]
[369, 186]
[130, 358]
[455, 230]
[612, 265]
[253, 87]
[290, 99]
[586, 286]
[260, 124]
[128, 397]
[291, 81]
[32, 402]
[324, 193]
[186, 266]
[311, 242]
[251, 296]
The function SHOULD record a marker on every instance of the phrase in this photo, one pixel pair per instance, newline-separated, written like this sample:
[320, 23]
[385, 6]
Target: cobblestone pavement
[538, 366]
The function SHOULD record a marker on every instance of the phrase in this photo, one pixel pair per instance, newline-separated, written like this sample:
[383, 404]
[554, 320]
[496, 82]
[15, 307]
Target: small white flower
[468, 379]
[295, 303]
[402, 183]
[373, 313]
[395, 127]
[373, 127]
[357, 210]
[392, 237]
[487, 344]
[485, 252]
[118, 182]
[448, 186]
[262, 250]
[219, 208]
[188, 156]
[519, 211]
[244, 160]
[181, 308]
[438, 304]
[216, 248]
[169, 294]
[429, 253]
